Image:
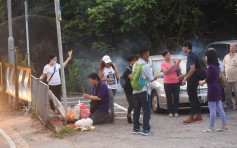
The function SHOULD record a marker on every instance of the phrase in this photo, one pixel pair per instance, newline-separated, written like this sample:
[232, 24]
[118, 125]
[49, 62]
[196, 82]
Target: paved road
[3, 142]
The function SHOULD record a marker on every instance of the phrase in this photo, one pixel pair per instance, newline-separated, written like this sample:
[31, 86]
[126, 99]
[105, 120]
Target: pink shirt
[171, 77]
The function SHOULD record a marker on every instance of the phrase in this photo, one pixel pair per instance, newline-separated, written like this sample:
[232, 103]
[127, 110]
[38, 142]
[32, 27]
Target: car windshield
[157, 63]
[221, 50]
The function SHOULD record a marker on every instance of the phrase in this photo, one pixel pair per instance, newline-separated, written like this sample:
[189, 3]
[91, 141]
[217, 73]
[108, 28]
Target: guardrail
[10, 80]
[1, 78]
[24, 83]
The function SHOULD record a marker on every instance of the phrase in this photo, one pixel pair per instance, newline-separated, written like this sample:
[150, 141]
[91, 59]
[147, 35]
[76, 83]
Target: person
[128, 88]
[100, 113]
[171, 83]
[230, 68]
[109, 74]
[192, 83]
[221, 66]
[142, 98]
[51, 70]
[214, 90]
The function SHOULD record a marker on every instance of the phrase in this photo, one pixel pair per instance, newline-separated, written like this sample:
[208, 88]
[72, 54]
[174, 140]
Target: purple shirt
[103, 94]
[214, 88]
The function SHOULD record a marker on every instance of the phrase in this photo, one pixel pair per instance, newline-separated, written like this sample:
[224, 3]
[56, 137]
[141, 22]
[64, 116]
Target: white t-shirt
[48, 70]
[109, 73]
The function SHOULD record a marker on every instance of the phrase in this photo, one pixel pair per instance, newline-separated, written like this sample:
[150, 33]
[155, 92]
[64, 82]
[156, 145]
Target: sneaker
[129, 119]
[147, 133]
[137, 131]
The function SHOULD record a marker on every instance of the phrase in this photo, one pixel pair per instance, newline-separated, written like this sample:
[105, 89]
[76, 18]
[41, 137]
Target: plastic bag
[77, 111]
[84, 112]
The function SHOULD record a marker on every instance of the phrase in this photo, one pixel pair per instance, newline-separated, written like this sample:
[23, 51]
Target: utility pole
[27, 32]
[11, 54]
[27, 40]
[58, 18]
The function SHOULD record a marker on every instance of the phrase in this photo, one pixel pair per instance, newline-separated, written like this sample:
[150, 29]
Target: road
[169, 133]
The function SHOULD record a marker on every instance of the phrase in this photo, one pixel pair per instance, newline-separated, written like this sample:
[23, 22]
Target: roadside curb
[7, 137]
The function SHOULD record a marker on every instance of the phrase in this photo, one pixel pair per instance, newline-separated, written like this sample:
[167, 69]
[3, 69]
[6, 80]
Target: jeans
[212, 107]
[130, 100]
[57, 92]
[172, 91]
[112, 93]
[140, 101]
[231, 85]
[193, 97]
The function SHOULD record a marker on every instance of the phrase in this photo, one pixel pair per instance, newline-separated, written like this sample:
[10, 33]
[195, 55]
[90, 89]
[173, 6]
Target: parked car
[222, 47]
[157, 87]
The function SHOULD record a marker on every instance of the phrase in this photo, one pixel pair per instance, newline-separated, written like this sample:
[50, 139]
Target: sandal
[170, 115]
[209, 130]
[222, 129]
[176, 115]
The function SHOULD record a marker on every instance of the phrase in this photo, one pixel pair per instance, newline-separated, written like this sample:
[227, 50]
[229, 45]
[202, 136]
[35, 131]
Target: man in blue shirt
[100, 100]
[192, 83]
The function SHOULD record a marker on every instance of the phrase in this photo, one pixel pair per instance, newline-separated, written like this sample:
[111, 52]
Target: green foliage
[66, 131]
[78, 73]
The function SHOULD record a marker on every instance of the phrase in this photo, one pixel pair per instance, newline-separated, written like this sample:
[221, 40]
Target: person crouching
[99, 106]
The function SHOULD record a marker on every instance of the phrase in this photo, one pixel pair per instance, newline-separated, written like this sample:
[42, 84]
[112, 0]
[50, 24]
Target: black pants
[193, 97]
[130, 100]
[100, 117]
[141, 101]
[172, 91]
[56, 89]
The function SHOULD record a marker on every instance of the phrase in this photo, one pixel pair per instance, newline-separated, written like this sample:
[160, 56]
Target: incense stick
[83, 89]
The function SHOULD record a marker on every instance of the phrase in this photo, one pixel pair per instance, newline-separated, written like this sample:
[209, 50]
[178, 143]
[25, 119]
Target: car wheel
[155, 102]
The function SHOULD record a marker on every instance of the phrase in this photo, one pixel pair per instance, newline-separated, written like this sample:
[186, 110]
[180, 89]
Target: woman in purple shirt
[214, 90]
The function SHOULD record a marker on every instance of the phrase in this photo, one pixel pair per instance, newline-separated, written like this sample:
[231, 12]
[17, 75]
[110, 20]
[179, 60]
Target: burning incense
[83, 89]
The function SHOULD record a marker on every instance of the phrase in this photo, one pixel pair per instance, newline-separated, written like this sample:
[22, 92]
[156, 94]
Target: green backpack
[137, 81]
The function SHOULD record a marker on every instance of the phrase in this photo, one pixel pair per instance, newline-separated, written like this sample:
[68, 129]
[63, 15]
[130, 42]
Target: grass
[66, 131]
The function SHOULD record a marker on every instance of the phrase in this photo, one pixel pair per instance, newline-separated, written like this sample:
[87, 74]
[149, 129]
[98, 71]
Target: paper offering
[70, 53]
[156, 74]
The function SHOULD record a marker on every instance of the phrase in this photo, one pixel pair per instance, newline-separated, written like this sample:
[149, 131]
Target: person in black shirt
[128, 88]
[192, 83]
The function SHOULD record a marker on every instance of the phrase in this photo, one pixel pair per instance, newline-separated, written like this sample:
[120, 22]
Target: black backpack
[201, 69]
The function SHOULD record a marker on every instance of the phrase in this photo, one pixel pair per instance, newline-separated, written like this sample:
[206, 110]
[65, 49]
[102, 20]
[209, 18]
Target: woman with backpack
[127, 87]
[214, 90]
[171, 83]
[110, 75]
[51, 70]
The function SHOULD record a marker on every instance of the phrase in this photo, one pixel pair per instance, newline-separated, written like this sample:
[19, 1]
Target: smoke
[198, 48]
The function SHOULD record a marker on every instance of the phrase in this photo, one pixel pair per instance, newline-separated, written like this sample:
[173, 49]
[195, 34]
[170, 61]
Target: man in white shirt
[230, 68]
[142, 98]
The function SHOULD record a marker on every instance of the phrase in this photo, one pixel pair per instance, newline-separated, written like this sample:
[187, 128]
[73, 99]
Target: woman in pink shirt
[171, 83]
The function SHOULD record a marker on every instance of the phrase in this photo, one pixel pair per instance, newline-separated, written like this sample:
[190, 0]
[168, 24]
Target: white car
[157, 87]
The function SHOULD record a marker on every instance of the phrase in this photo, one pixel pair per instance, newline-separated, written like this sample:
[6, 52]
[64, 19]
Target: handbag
[223, 80]
[47, 82]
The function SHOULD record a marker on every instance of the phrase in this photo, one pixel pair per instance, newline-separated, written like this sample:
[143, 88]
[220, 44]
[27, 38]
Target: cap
[106, 59]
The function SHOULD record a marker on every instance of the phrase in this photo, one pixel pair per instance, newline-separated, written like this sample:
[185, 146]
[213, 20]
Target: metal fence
[40, 99]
